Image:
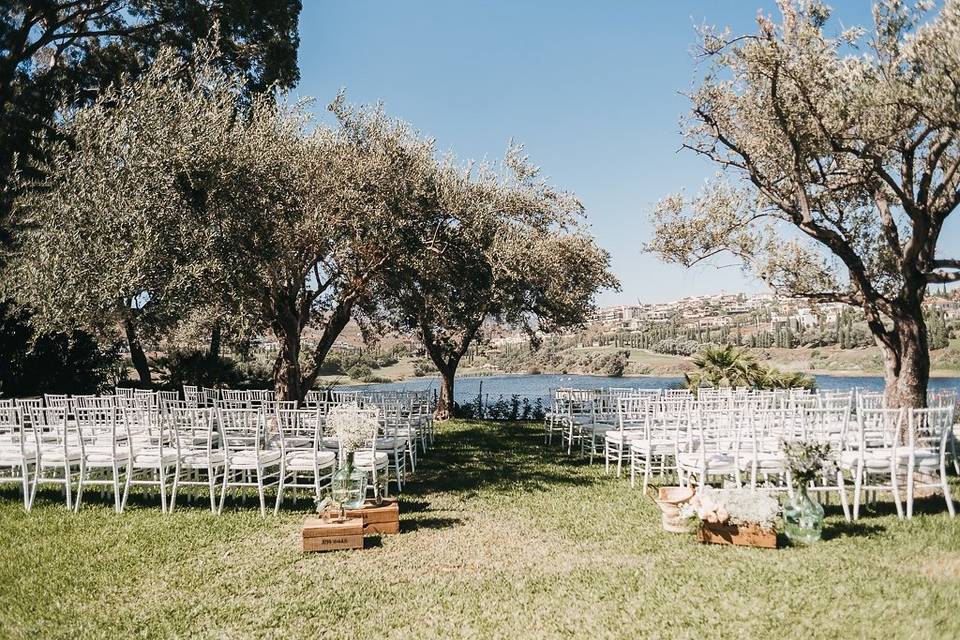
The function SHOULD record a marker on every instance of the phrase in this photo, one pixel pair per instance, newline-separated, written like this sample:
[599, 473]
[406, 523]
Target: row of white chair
[123, 441]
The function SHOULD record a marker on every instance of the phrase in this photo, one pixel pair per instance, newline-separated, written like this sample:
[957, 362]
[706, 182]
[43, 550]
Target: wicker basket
[670, 500]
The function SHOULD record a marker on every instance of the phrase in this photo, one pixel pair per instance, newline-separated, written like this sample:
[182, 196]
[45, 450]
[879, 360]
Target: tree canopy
[840, 161]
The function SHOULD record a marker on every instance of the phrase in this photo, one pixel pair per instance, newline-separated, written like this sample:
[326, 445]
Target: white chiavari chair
[200, 463]
[250, 462]
[19, 450]
[307, 466]
[105, 448]
[925, 452]
[59, 451]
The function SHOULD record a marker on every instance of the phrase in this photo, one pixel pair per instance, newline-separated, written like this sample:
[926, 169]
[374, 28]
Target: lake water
[539, 386]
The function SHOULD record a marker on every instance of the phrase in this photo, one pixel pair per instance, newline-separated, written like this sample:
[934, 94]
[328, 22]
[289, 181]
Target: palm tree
[728, 366]
[723, 366]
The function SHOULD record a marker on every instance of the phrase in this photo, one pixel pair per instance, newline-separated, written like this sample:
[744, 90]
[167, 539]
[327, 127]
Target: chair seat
[766, 461]
[198, 459]
[105, 454]
[660, 446]
[310, 460]
[620, 437]
[714, 462]
[249, 460]
[155, 457]
[364, 460]
[12, 456]
[873, 459]
[329, 442]
[55, 455]
[391, 443]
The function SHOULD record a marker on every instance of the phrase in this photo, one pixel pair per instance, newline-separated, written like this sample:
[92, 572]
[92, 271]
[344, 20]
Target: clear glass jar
[802, 518]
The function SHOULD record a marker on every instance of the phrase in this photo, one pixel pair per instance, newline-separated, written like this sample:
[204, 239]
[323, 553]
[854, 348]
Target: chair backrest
[242, 430]
[57, 400]
[878, 429]
[94, 402]
[13, 430]
[192, 428]
[928, 429]
[102, 427]
[299, 428]
[210, 396]
[828, 424]
[124, 392]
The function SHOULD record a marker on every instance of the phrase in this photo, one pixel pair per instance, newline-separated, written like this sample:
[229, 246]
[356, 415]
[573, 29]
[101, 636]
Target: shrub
[359, 371]
[31, 365]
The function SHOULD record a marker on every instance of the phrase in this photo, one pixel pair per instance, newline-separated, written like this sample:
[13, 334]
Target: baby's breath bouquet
[352, 426]
[739, 506]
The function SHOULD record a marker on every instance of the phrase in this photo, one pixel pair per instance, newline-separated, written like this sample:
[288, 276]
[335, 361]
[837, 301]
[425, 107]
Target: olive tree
[115, 233]
[840, 164]
[320, 217]
[504, 246]
[176, 197]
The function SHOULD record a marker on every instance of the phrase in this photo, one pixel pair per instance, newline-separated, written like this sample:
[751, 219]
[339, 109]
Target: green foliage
[675, 347]
[807, 460]
[729, 366]
[615, 364]
[34, 364]
[198, 368]
[938, 335]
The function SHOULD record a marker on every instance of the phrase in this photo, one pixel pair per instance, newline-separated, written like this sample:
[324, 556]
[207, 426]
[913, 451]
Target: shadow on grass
[469, 457]
[854, 529]
[406, 526]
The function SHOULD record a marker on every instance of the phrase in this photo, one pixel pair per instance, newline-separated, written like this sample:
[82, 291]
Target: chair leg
[68, 485]
[857, 485]
[173, 489]
[276, 506]
[76, 505]
[36, 483]
[212, 481]
[162, 472]
[895, 489]
[842, 490]
[25, 478]
[263, 499]
[910, 489]
[946, 488]
[128, 480]
[223, 490]
[646, 473]
[116, 487]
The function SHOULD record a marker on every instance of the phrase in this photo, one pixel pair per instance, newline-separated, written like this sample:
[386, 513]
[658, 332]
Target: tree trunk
[137, 356]
[215, 338]
[286, 367]
[445, 403]
[907, 361]
[334, 327]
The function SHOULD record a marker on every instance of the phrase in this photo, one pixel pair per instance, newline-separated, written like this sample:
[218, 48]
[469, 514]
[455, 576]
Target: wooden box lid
[317, 527]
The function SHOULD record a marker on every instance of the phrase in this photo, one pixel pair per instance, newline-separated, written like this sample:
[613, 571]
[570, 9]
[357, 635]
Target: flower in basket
[352, 426]
[736, 506]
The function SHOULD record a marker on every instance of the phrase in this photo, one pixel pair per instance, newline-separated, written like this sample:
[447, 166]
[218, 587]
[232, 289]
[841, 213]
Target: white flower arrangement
[732, 506]
[353, 426]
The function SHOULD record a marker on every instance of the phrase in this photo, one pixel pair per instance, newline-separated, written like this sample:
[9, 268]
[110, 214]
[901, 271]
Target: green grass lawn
[500, 538]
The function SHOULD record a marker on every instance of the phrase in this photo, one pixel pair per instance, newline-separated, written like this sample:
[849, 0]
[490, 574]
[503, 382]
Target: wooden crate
[324, 535]
[377, 520]
[746, 536]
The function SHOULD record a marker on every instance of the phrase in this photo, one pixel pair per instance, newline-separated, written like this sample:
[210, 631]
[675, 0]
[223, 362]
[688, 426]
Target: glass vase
[802, 518]
[349, 486]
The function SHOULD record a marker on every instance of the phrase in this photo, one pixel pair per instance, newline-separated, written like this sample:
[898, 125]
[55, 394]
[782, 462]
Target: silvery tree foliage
[840, 165]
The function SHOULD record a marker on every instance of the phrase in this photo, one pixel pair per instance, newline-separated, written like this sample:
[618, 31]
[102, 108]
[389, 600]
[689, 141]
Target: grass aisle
[500, 538]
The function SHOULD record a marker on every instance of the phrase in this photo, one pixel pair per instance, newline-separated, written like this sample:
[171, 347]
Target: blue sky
[590, 89]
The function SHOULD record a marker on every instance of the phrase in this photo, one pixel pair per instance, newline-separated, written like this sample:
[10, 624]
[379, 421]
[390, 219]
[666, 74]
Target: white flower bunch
[353, 426]
[733, 506]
